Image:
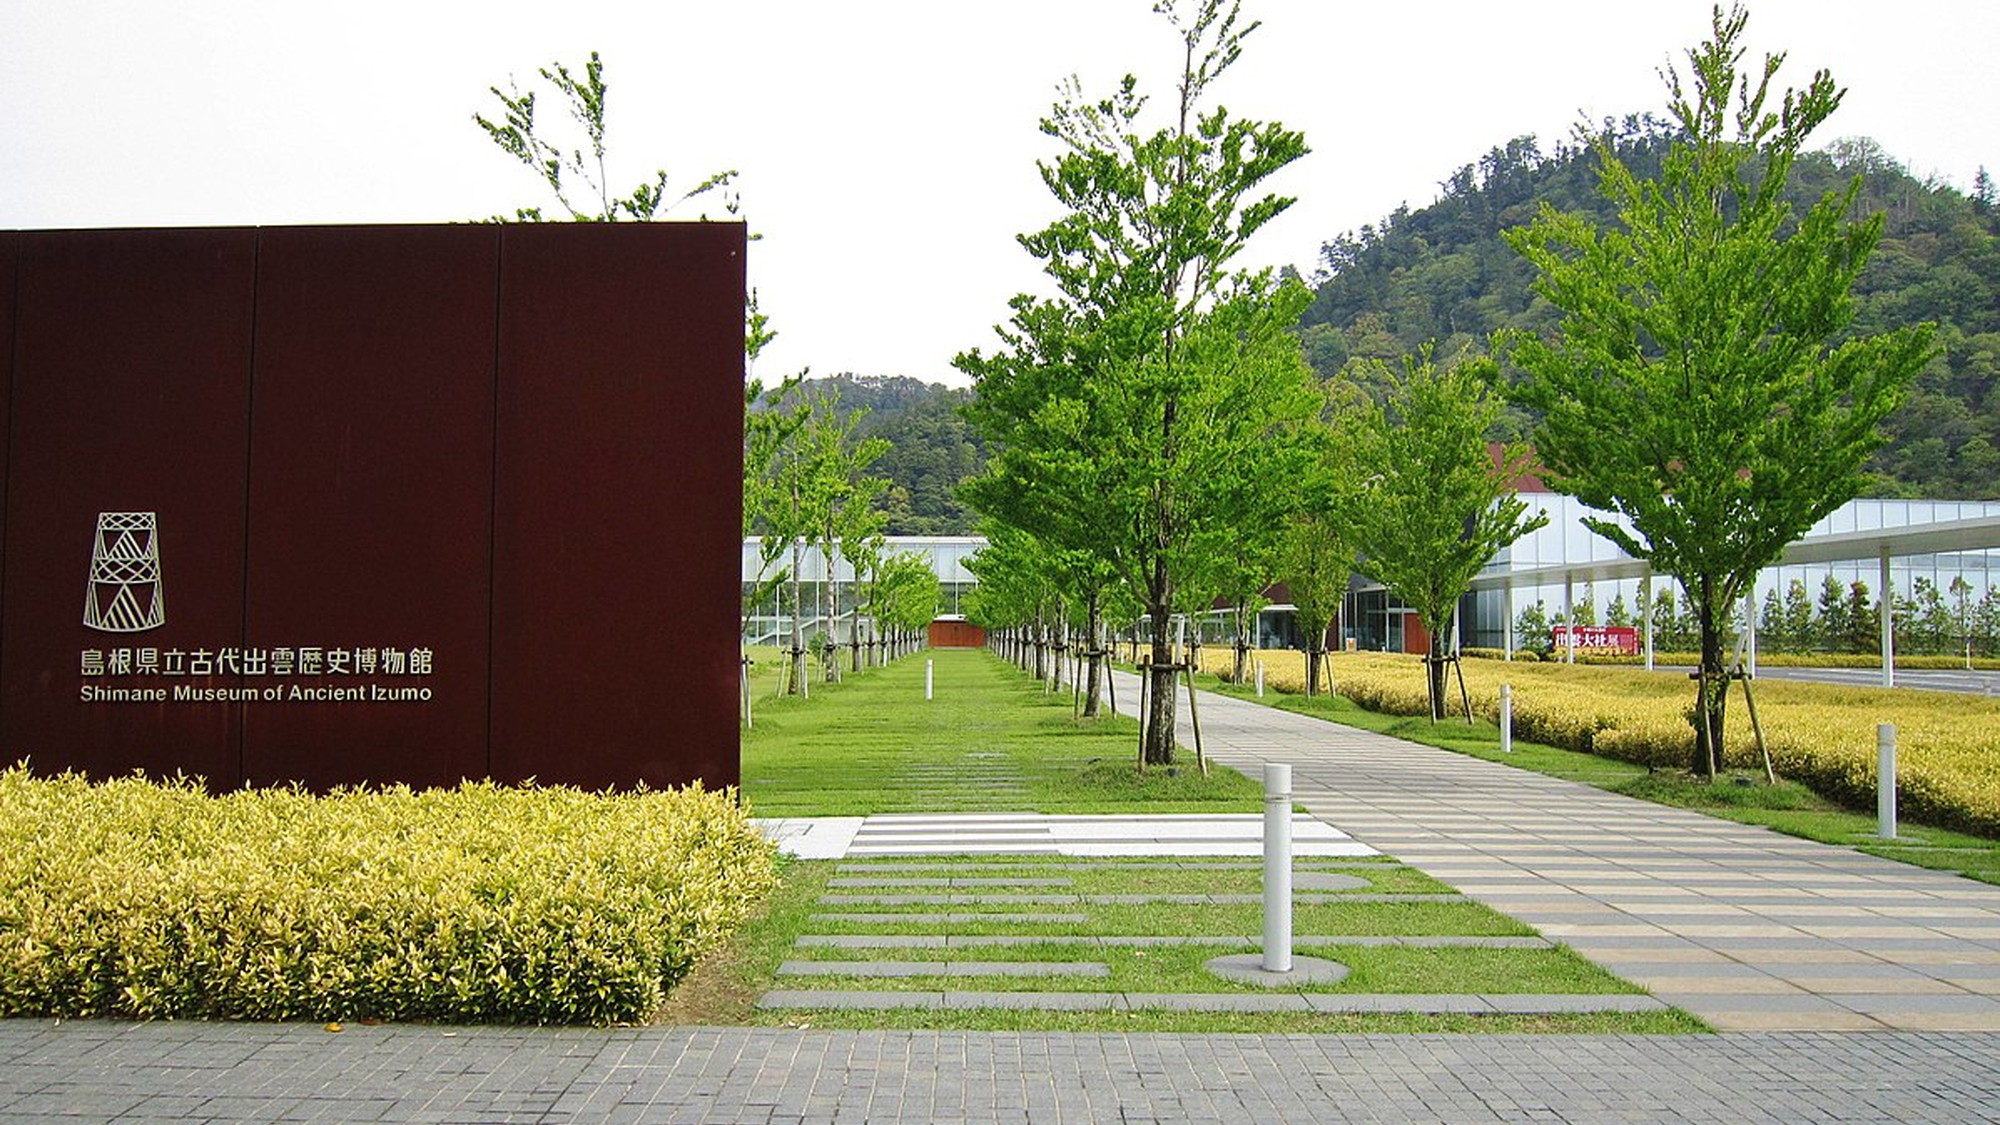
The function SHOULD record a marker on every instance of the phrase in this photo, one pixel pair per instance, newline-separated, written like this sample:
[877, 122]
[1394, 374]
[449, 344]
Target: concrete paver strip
[1302, 897]
[1620, 879]
[940, 941]
[1275, 1001]
[945, 968]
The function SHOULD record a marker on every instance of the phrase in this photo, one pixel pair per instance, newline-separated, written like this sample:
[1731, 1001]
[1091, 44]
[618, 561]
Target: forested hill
[1443, 273]
[931, 448]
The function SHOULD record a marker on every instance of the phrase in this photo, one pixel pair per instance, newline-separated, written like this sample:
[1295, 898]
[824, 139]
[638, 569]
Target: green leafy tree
[1771, 632]
[841, 500]
[1831, 625]
[1531, 630]
[1140, 415]
[1801, 629]
[1016, 591]
[1436, 508]
[573, 169]
[1316, 545]
[1986, 622]
[1702, 386]
[904, 595]
[1962, 613]
[1863, 620]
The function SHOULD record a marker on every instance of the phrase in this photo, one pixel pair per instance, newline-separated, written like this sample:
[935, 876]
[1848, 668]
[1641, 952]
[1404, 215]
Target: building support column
[1646, 617]
[1888, 615]
[1569, 616]
[1750, 628]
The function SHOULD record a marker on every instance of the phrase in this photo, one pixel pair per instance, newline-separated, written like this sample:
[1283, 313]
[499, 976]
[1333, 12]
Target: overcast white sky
[887, 147]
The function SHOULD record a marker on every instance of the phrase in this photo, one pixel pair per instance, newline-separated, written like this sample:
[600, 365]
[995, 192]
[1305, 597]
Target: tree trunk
[1434, 674]
[1711, 687]
[1315, 653]
[795, 683]
[1158, 738]
[1242, 647]
[1094, 623]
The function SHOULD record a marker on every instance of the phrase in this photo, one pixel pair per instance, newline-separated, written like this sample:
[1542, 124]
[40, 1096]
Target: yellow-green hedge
[1913, 663]
[1820, 734]
[479, 904]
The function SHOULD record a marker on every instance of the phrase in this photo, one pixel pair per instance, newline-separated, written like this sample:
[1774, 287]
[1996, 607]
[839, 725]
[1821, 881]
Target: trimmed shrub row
[146, 900]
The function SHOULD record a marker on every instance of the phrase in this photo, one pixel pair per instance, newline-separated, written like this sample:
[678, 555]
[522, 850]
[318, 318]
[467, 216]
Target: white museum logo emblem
[125, 595]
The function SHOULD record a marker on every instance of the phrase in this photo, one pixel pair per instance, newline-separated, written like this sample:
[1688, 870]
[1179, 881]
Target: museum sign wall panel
[638, 537]
[372, 504]
[130, 394]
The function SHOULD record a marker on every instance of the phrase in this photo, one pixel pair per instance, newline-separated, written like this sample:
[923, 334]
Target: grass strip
[989, 741]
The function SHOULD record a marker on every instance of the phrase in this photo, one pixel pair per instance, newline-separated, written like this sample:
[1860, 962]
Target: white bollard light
[1260, 679]
[927, 679]
[1506, 718]
[1885, 780]
[1277, 867]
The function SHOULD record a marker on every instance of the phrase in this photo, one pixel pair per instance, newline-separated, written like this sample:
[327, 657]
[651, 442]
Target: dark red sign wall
[432, 502]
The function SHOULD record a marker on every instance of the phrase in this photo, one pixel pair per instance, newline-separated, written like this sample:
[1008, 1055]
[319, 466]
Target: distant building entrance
[954, 631]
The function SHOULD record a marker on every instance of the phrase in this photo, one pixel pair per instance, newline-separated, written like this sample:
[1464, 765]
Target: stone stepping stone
[891, 864]
[945, 968]
[941, 941]
[956, 919]
[1326, 881]
[898, 881]
[1309, 899]
[1327, 1002]
[950, 900]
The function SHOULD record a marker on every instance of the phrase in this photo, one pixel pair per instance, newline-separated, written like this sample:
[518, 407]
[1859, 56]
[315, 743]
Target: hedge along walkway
[1742, 926]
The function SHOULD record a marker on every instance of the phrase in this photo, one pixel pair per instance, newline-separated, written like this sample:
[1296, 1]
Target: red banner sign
[1600, 640]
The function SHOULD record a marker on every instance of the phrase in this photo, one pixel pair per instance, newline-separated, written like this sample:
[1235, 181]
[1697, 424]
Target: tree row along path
[1745, 927]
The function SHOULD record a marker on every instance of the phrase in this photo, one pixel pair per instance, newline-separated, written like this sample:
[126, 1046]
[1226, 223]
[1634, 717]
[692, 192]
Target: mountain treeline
[1443, 273]
[931, 448]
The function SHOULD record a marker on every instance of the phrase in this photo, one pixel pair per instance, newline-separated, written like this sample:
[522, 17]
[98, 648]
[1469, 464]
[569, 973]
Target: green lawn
[994, 740]
[990, 740]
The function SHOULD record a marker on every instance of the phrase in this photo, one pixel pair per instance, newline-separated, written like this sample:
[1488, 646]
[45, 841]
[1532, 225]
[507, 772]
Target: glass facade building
[1558, 565]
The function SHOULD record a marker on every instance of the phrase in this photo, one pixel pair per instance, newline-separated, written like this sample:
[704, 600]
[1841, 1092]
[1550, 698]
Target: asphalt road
[1963, 682]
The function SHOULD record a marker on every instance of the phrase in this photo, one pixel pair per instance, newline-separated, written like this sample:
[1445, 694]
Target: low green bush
[484, 903]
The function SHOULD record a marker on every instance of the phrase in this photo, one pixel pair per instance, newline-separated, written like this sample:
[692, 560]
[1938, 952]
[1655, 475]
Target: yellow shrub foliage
[478, 904]
[1948, 746]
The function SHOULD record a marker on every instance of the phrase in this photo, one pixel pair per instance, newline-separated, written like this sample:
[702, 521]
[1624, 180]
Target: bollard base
[1248, 968]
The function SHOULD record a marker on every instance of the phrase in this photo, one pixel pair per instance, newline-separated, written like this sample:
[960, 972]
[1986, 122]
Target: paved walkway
[91, 1071]
[1190, 834]
[1747, 928]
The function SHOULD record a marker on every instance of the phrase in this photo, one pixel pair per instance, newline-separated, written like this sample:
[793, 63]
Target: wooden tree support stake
[1194, 716]
[1145, 685]
[1756, 727]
